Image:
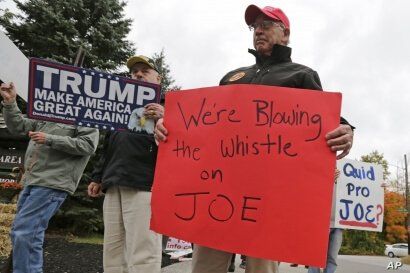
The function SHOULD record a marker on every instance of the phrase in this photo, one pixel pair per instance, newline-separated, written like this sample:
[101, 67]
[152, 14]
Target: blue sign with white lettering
[77, 96]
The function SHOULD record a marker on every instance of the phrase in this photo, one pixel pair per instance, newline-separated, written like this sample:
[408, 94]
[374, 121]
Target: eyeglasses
[266, 24]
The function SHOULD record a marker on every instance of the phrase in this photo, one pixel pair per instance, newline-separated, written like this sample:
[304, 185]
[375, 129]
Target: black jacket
[277, 70]
[128, 159]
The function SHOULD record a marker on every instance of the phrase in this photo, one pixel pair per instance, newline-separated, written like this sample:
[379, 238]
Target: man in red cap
[271, 30]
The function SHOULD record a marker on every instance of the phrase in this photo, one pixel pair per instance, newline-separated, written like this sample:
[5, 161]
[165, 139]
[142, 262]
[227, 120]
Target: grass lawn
[94, 239]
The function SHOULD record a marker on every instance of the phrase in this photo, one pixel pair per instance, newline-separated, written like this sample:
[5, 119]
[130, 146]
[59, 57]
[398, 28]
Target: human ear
[285, 38]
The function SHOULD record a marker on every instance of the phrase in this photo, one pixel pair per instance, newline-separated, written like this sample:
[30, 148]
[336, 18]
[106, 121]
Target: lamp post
[406, 175]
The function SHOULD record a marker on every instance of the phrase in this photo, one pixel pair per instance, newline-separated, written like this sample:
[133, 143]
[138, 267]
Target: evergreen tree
[168, 81]
[55, 29]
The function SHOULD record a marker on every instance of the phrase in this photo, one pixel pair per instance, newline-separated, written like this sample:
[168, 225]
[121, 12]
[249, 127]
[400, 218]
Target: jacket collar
[279, 54]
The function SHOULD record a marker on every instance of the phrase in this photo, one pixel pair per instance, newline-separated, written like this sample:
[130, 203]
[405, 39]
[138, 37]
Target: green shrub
[358, 242]
[80, 214]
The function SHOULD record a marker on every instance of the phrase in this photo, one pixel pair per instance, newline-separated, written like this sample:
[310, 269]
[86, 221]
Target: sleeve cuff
[49, 140]
[9, 105]
[344, 121]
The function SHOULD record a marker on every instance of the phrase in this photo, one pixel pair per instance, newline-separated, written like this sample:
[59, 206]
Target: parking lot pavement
[347, 264]
[185, 267]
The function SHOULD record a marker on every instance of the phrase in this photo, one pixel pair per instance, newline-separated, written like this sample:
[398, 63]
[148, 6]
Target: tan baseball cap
[141, 59]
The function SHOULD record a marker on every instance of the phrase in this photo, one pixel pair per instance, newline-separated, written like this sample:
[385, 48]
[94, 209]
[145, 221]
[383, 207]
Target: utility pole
[406, 175]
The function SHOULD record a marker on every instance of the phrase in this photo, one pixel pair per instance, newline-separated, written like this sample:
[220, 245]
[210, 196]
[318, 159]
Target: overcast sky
[359, 48]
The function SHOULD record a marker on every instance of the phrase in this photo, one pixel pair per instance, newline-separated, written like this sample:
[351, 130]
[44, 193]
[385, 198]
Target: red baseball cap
[277, 14]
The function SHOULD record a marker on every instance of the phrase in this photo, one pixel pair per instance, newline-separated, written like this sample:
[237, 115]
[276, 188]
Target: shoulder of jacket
[300, 67]
[85, 129]
[236, 71]
[241, 69]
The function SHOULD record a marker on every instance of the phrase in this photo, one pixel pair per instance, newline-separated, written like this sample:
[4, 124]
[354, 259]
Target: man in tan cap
[125, 173]
[271, 30]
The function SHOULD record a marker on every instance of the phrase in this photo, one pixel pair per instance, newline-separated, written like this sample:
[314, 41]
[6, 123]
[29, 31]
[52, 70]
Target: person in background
[335, 239]
[54, 162]
[243, 262]
[125, 173]
[242, 265]
[231, 267]
[296, 265]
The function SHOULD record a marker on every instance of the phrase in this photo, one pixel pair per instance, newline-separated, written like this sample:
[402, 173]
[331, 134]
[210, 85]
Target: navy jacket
[128, 159]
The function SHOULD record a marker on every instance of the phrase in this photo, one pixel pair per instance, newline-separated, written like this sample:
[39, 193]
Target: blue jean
[35, 207]
[335, 242]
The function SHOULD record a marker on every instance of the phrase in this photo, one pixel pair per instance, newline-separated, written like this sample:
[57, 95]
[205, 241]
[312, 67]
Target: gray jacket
[60, 162]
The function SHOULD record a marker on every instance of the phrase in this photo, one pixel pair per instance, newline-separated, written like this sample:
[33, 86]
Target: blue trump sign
[84, 97]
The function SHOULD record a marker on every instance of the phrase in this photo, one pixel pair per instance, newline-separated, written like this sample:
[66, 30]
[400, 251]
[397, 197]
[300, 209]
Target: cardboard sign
[178, 249]
[14, 65]
[84, 97]
[359, 196]
[246, 169]
[174, 244]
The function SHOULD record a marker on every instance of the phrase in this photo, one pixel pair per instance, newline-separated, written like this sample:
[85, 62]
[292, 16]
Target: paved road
[347, 264]
[369, 264]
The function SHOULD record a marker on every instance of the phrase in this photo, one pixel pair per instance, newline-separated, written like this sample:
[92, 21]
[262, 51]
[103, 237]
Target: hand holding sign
[340, 139]
[154, 111]
[160, 131]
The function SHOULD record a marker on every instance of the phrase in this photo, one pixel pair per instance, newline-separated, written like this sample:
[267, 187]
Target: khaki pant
[208, 260]
[129, 245]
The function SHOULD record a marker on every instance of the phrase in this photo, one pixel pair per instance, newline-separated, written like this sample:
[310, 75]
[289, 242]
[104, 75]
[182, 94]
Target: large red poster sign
[246, 169]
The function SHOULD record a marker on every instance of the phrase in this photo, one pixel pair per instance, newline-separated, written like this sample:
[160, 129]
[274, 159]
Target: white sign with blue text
[84, 97]
[359, 196]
